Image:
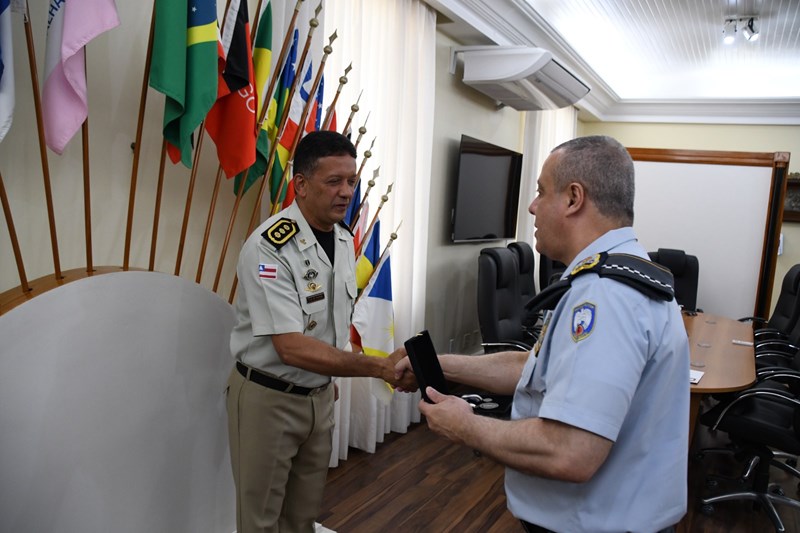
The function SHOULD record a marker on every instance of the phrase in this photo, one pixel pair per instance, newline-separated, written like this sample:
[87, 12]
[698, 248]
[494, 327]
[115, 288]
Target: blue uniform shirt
[616, 363]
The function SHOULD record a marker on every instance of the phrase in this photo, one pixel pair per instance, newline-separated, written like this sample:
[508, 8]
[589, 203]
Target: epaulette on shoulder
[346, 227]
[651, 279]
[281, 232]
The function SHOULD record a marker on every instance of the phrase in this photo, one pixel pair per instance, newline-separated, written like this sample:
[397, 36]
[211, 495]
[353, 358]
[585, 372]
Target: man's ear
[300, 185]
[576, 196]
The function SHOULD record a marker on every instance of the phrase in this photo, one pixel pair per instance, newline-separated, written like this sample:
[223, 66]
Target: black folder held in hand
[425, 363]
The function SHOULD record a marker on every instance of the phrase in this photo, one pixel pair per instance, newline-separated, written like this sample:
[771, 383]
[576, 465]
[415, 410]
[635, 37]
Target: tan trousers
[280, 450]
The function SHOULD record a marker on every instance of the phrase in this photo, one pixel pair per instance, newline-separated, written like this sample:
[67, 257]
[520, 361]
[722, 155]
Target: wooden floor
[420, 482]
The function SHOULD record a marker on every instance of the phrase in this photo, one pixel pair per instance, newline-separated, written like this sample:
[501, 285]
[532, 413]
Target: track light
[729, 31]
[750, 29]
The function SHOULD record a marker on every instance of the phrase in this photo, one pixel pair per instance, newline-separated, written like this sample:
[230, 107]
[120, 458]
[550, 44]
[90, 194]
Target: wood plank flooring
[418, 482]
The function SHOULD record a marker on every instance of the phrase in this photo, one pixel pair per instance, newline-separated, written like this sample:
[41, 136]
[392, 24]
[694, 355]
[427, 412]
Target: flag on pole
[355, 201]
[312, 124]
[231, 122]
[6, 69]
[361, 225]
[71, 26]
[315, 113]
[184, 68]
[277, 104]
[299, 99]
[365, 264]
[373, 319]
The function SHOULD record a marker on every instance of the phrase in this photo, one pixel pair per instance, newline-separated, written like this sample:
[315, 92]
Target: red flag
[231, 123]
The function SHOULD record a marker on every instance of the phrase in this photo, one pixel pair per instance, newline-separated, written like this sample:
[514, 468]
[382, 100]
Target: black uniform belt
[274, 383]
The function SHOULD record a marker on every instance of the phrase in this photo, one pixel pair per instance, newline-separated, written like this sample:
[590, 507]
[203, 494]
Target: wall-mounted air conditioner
[523, 77]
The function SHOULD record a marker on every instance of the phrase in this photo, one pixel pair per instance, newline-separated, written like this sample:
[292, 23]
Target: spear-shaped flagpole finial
[362, 130]
[353, 110]
[326, 124]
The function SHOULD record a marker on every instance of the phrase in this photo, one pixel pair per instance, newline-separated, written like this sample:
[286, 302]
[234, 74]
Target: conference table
[721, 348]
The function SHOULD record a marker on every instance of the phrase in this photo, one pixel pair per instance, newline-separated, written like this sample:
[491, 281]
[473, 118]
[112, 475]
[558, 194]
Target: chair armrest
[512, 345]
[757, 319]
[780, 355]
[777, 372]
[775, 395]
[777, 344]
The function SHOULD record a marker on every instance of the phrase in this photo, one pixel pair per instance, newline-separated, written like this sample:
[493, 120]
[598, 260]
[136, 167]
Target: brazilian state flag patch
[583, 317]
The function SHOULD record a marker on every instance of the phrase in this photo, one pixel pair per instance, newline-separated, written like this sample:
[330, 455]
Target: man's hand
[446, 415]
[404, 374]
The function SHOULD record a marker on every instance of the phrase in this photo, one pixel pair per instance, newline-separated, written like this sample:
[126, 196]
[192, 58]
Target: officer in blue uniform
[598, 436]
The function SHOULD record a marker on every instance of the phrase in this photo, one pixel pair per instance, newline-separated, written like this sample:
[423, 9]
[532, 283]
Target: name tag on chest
[315, 297]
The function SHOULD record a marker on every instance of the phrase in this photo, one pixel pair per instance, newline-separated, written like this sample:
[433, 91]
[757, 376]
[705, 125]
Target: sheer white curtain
[391, 45]
[544, 130]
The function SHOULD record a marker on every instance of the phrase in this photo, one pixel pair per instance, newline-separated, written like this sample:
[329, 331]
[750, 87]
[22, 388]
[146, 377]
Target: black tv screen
[487, 192]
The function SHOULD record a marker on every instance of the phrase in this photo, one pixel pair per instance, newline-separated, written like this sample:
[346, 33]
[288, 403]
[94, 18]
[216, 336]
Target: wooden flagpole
[137, 144]
[12, 233]
[361, 131]
[264, 108]
[286, 178]
[363, 199]
[37, 101]
[384, 199]
[329, 113]
[157, 206]
[87, 195]
[392, 238]
[218, 180]
[189, 193]
[313, 23]
[367, 155]
[353, 110]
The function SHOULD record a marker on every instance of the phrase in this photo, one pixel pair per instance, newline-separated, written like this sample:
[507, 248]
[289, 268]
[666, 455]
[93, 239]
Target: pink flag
[71, 25]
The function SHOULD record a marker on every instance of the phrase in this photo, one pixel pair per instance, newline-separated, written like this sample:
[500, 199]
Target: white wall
[451, 308]
[742, 138]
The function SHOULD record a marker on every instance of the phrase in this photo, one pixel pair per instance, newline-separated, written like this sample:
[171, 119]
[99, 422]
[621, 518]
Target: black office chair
[550, 271]
[526, 263]
[685, 270]
[787, 310]
[499, 310]
[761, 421]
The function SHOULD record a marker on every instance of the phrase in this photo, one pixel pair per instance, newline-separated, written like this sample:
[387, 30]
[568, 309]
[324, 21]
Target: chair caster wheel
[707, 509]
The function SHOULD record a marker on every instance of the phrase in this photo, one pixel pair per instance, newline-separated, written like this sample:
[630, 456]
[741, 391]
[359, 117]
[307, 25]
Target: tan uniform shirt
[292, 287]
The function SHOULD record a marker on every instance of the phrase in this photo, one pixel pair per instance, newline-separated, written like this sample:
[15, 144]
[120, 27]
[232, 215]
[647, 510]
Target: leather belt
[274, 383]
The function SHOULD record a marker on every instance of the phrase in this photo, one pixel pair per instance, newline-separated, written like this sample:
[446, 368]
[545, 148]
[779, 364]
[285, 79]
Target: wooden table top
[728, 367]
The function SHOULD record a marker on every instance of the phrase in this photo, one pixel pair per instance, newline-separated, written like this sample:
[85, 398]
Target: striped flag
[184, 68]
[71, 25]
[231, 123]
[301, 95]
[373, 319]
[365, 264]
[6, 70]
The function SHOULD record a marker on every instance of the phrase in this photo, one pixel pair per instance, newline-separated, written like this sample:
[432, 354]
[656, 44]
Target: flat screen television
[487, 192]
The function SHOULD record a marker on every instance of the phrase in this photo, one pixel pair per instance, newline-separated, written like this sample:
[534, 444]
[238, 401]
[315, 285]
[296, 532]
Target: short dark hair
[605, 169]
[318, 144]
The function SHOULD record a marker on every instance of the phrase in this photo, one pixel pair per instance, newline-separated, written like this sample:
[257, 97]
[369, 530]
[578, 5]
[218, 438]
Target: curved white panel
[112, 413]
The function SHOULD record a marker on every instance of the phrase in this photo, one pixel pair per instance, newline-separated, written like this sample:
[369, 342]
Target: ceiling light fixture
[750, 28]
[729, 31]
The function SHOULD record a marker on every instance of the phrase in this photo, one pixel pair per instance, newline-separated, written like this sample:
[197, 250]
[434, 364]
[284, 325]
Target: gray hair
[605, 169]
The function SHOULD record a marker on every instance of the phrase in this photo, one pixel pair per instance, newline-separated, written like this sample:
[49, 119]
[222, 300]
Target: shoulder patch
[281, 232]
[583, 317]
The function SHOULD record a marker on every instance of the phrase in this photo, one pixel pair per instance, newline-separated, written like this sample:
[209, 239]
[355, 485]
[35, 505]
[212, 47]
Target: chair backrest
[550, 271]
[685, 269]
[787, 308]
[499, 312]
[525, 266]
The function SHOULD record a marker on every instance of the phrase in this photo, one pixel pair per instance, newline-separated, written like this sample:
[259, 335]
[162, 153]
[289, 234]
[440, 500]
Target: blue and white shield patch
[582, 321]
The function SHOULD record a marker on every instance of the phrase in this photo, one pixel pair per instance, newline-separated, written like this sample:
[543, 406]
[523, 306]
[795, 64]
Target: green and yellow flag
[184, 68]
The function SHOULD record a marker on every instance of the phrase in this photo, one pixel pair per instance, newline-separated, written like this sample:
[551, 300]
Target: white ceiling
[653, 60]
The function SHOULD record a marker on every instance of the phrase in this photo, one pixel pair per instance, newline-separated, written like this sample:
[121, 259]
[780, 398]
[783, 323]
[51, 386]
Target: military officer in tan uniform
[294, 308]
